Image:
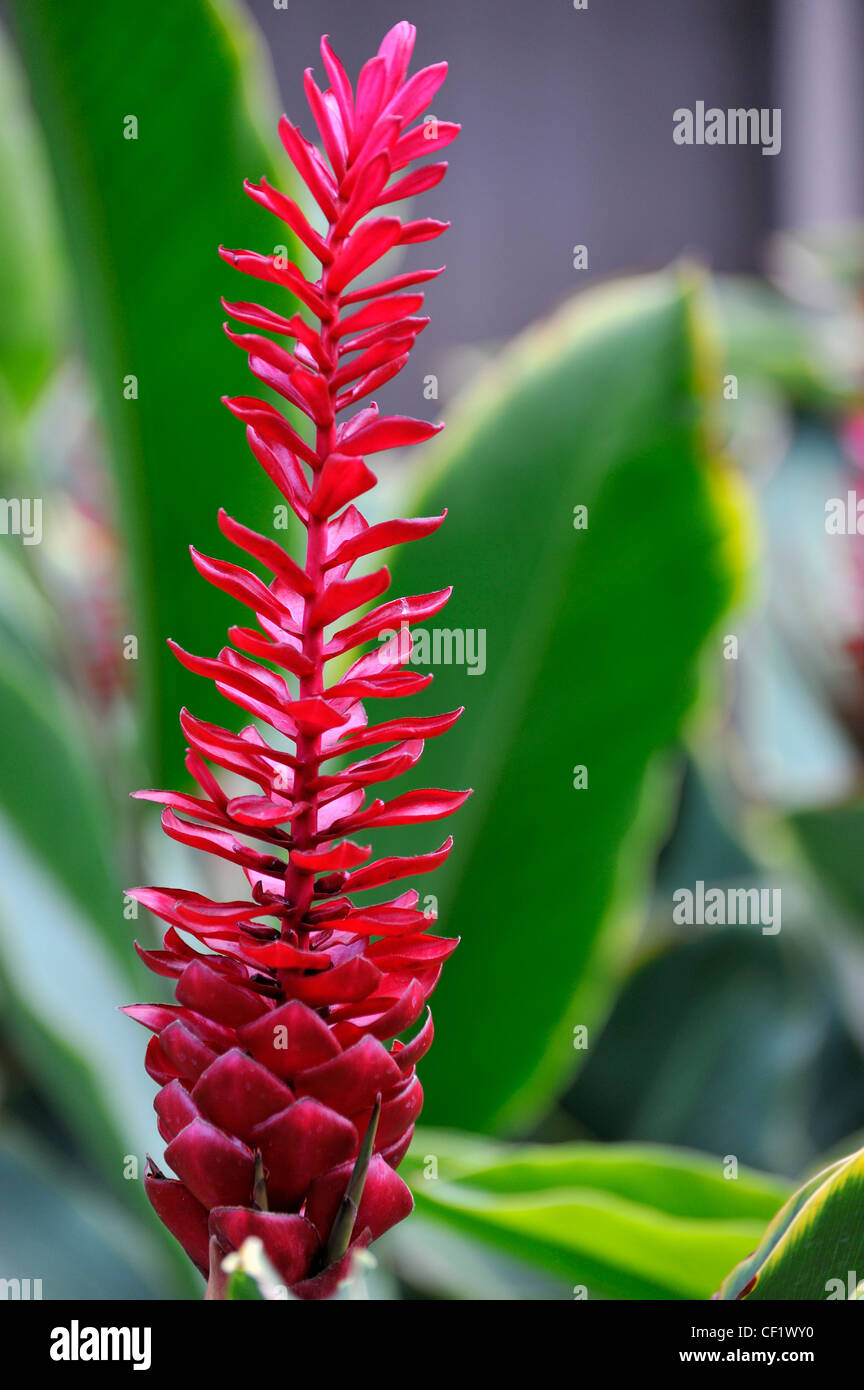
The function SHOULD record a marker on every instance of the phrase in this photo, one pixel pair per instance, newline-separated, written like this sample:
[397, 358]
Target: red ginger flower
[274, 1063]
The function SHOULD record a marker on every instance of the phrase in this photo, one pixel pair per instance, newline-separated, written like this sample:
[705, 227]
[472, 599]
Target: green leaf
[668, 1065]
[744, 1272]
[830, 839]
[815, 1245]
[242, 1288]
[33, 322]
[441, 1262]
[631, 1221]
[767, 339]
[592, 650]
[143, 219]
[53, 798]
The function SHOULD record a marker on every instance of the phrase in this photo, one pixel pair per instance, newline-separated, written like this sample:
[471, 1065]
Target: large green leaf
[143, 218]
[623, 1221]
[814, 1248]
[592, 645]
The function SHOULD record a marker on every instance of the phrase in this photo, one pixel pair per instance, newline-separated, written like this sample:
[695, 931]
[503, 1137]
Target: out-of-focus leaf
[32, 323]
[732, 1042]
[703, 844]
[242, 1288]
[143, 218]
[815, 1245]
[624, 1221]
[831, 839]
[822, 267]
[60, 989]
[78, 1242]
[676, 1181]
[441, 1262]
[53, 798]
[794, 677]
[768, 339]
[592, 645]
[28, 626]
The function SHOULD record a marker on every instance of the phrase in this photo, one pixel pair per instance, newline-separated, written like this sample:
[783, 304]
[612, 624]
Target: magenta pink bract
[284, 1031]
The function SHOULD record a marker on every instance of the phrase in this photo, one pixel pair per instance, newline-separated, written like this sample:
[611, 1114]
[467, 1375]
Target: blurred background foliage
[596, 1066]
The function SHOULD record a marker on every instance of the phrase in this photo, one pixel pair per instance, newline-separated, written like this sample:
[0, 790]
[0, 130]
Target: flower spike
[286, 1099]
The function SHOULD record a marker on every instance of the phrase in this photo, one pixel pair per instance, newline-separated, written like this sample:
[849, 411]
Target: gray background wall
[567, 134]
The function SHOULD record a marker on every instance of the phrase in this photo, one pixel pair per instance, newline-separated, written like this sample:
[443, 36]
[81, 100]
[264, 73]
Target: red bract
[278, 1057]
